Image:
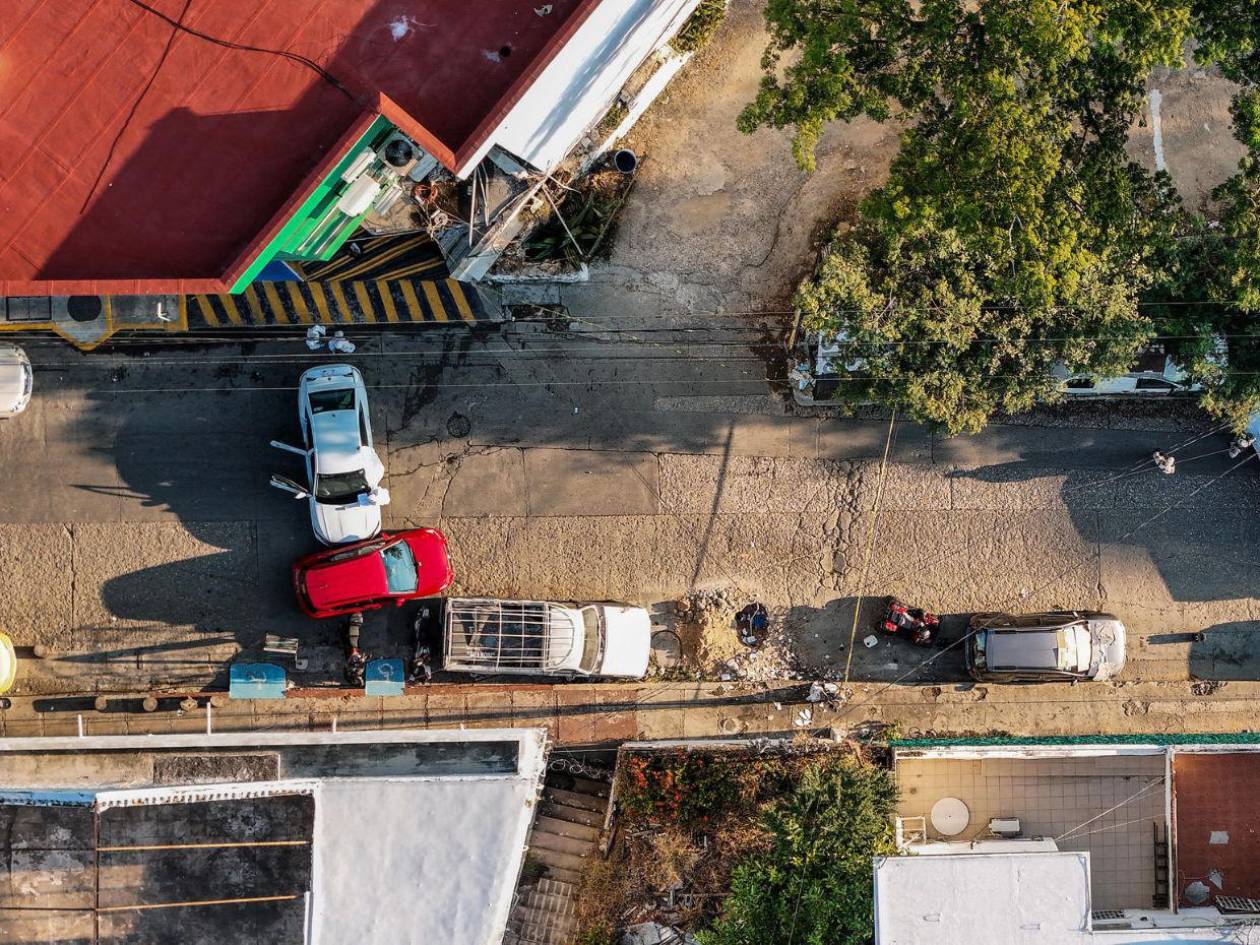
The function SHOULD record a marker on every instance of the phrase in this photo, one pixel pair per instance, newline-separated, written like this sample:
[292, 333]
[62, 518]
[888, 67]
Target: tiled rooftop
[1216, 803]
[1110, 807]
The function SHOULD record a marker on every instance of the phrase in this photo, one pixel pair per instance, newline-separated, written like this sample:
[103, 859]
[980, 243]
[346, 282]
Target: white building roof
[580, 83]
[1034, 898]
[982, 899]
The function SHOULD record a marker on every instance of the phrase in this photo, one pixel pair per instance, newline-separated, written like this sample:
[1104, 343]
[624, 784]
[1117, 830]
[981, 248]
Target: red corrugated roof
[137, 158]
[1216, 833]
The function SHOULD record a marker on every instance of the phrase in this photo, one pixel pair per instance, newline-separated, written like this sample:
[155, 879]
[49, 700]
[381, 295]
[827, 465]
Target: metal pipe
[205, 846]
[202, 902]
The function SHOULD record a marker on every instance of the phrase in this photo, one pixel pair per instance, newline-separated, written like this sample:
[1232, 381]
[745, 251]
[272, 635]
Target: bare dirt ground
[726, 221]
[1195, 143]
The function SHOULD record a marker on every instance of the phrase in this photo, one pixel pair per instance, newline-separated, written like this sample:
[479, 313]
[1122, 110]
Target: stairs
[1160, 899]
[564, 840]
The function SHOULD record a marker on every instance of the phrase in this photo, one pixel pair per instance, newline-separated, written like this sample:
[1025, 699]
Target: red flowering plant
[687, 788]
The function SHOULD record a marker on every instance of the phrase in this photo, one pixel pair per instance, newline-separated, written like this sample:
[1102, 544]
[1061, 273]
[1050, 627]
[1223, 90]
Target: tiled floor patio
[1070, 800]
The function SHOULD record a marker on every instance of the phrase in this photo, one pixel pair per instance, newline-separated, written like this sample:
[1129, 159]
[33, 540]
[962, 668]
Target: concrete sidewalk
[605, 715]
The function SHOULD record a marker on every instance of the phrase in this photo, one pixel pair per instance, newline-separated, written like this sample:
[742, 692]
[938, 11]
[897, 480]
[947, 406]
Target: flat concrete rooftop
[374, 837]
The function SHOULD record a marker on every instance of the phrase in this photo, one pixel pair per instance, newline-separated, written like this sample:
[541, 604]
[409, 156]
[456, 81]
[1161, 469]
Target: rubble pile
[713, 646]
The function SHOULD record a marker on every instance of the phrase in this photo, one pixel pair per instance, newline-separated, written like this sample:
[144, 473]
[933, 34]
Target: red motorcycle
[913, 622]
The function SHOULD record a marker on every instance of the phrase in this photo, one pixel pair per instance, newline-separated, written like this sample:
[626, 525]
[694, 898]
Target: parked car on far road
[16, 380]
[1153, 375]
[343, 472]
[1061, 646]
[392, 568]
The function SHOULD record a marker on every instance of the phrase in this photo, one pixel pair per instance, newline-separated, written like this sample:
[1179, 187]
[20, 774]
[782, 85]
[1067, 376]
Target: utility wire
[1076, 567]
[870, 543]
[245, 47]
[1128, 800]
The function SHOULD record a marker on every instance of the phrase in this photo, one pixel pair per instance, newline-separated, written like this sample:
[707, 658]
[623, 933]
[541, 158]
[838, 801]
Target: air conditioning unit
[358, 196]
[399, 153]
[359, 166]
[1004, 827]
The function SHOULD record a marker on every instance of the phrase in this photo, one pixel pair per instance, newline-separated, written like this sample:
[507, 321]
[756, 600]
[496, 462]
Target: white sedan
[343, 472]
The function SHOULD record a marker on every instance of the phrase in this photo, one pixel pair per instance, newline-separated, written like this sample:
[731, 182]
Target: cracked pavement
[141, 544]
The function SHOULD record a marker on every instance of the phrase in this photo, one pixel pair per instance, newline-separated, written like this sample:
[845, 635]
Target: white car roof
[335, 433]
[335, 436]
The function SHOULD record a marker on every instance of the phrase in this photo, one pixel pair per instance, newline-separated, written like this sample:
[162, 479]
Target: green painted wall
[1154, 738]
[316, 230]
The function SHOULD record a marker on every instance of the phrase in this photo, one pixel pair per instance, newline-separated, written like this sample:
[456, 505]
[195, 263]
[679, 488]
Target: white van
[544, 638]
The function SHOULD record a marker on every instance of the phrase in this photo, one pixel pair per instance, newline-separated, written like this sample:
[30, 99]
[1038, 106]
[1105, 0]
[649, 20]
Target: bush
[812, 885]
[700, 26]
[680, 787]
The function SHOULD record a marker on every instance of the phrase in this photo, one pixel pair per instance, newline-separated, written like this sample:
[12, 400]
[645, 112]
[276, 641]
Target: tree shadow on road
[1226, 652]
[826, 640]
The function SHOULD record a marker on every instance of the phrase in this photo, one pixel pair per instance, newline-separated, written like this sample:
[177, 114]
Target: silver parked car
[1061, 646]
[16, 380]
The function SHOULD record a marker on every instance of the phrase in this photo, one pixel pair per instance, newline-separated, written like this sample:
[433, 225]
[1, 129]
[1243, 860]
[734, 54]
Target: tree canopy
[812, 885]
[1013, 240]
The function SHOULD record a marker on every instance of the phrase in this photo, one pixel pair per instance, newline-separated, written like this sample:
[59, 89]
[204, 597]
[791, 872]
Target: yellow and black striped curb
[382, 302]
[390, 258]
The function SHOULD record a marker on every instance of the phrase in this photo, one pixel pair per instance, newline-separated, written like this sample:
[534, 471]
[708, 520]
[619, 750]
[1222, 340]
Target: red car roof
[333, 585]
[429, 547]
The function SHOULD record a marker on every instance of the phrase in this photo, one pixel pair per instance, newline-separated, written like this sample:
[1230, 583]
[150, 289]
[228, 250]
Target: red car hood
[429, 548]
[329, 586]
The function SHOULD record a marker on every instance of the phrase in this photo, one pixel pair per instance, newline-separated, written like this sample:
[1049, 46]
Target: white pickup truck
[543, 638]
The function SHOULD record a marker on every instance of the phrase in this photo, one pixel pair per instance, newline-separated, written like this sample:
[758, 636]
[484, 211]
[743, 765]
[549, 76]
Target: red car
[392, 567]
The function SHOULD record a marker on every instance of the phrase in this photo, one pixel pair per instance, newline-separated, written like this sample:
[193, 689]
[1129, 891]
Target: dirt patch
[1185, 129]
[723, 220]
[706, 628]
[712, 647]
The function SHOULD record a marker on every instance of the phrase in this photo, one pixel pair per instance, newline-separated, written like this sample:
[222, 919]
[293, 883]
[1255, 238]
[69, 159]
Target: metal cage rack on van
[519, 634]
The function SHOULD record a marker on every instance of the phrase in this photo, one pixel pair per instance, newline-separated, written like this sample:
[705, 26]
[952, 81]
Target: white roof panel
[579, 84]
[983, 899]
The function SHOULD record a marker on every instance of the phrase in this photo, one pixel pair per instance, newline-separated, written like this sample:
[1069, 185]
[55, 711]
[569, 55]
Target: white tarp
[579, 84]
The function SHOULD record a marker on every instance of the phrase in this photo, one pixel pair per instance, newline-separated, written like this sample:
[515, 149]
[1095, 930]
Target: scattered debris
[1205, 687]
[653, 933]
[315, 337]
[823, 692]
[340, 344]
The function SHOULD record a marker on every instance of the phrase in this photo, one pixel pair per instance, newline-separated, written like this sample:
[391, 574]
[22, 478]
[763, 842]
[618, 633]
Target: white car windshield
[341, 488]
[400, 568]
[340, 399]
[591, 649]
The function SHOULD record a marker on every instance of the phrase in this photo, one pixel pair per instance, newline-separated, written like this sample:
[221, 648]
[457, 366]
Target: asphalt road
[141, 544]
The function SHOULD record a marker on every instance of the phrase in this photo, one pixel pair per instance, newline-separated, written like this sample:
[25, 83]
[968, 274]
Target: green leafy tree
[834, 60]
[1210, 290]
[812, 886]
[1228, 34]
[1014, 242]
[989, 259]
